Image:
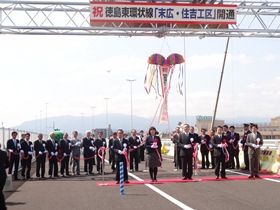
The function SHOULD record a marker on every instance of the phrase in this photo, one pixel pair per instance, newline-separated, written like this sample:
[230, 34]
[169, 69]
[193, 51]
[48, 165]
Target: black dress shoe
[257, 176]
[16, 179]
[152, 180]
[217, 177]
[224, 177]
[185, 178]
[117, 182]
[250, 177]
[126, 181]
[155, 180]
[190, 178]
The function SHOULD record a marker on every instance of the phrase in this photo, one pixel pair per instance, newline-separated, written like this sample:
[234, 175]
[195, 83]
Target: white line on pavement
[163, 194]
[268, 179]
[160, 192]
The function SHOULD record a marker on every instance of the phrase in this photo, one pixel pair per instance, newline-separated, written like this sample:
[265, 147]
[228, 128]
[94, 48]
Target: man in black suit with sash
[244, 146]
[111, 152]
[89, 152]
[226, 135]
[65, 147]
[52, 147]
[204, 140]
[40, 154]
[186, 140]
[219, 153]
[4, 163]
[26, 152]
[234, 138]
[121, 146]
[100, 143]
[13, 148]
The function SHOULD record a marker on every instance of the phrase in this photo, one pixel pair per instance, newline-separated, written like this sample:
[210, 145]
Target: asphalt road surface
[83, 193]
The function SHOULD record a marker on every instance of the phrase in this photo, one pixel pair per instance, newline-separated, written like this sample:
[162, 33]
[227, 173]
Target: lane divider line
[160, 192]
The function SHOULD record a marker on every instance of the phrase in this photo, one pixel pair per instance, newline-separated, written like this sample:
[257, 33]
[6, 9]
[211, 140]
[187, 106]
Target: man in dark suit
[234, 138]
[111, 152]
[204, 140]
[142, 147]
[26, 152]
[254, 141]
[226, 135]
[13, 148]
[40, 154]
[65, 147]
[4, 163]
[175, 140]
[52, 147]
[219, 145]
[186, 140]
[244, 146]
[120, 147]
[134, 143]
[89, 152]
[100, 143]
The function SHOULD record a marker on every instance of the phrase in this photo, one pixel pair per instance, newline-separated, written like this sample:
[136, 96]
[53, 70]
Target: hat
[245, 124]
[232, 127]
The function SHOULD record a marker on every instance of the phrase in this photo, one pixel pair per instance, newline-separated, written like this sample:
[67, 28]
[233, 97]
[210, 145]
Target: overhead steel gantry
[255, 18]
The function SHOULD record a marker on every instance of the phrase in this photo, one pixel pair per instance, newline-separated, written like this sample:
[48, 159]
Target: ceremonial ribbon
[225, 151]
[25, 158]
[278, 169]
[126, 158]
[9, 155]
[209, 149]
[100, 150]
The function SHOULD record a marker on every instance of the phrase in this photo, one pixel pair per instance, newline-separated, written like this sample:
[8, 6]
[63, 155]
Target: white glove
[71, 154]
[257, 146]
[103, 147]
[40, 153]
[92, 148]
[231, 141]
[135, 147]
[111, 147]
[253, 145]
[21, 151]
[192, 139]
[125, 145]
[30, 153]
[138, 140]
[78, 143]
[224, 145]
[10, 150]
[211, 146]
[120, 152]
[18, 145]
[220, 145]
[56, 153]
[56, 144]
[64, 154]
[69, 144]
[258, 139]
[45, 151]
[31, 146]
[202, 142]
[44, 145]
[52, 154]
[187, 146]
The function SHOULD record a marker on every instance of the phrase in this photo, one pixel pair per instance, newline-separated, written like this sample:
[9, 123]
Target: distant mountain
[81, 124]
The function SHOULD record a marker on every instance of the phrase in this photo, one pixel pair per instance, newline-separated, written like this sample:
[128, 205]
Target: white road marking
[160, 192]
[163, 194]
[268, 179]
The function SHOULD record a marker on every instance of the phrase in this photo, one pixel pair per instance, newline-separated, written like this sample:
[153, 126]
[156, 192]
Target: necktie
[15, 143]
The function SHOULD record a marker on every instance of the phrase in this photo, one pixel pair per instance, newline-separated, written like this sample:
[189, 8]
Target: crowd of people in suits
[223, 145]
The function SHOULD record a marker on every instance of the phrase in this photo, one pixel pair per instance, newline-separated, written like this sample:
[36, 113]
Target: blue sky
[69, 73]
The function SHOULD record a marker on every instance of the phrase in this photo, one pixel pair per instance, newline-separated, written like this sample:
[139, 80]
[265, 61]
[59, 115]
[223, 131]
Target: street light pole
[131, 106]
[40, 121]
[107, 123]
[92, 107]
